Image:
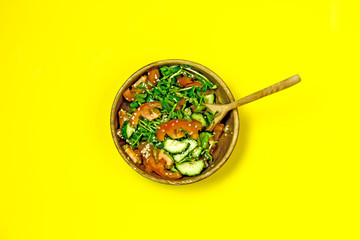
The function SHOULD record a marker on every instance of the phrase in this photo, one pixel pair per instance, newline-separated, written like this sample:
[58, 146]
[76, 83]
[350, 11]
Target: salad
[164, 123]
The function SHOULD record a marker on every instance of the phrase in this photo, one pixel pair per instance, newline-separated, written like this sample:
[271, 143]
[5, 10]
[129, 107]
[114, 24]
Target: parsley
[134, 104]
[165, 105]
[141, 97]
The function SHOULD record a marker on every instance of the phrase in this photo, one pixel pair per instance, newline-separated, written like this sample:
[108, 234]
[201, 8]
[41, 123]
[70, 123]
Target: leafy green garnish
[165, 105]
[141, 97]
[168, 71]
[210, 117]
[169, 93]
[134, 104]
[180, 114]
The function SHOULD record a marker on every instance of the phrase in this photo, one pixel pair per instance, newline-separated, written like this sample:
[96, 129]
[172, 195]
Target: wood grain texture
[226, 142]
[222, 109]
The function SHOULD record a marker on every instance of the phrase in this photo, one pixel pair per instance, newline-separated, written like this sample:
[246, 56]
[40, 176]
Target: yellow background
[293, 175]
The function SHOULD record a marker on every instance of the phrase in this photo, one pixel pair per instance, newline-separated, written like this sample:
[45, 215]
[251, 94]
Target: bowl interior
[226, 142]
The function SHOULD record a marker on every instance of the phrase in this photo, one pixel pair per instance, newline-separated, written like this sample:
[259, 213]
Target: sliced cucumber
[191, 168]
[199, 117]
[196, 152]
[210, 98]
[204, 139]
[127, 130]
[192, 145]
[173, 169]
[174, 146]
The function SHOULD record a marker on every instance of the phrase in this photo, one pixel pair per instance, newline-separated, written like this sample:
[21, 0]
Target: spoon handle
[291, 81]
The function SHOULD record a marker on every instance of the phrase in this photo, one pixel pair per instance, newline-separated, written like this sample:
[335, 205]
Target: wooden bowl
[226, 142]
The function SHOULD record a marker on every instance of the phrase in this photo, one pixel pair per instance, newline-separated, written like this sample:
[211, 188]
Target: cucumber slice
[210, 98]
[173, 169]
[192, 145]
[127, 130]
[191, 168]
[174, 146]
[204, 139]
[199, 108]
[199, 117]
[196, 152]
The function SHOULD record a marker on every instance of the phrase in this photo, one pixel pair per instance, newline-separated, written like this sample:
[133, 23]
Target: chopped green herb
[134, 104]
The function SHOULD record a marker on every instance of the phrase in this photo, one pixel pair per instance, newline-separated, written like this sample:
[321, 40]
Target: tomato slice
[173, 129]
[142, 79]
[162, 155]
[175, 133]
[158, 167]
[153, 76]
[188, 82]
[129, 95]
[122, 117]
[147, 110]
[218, 130]
[183, 81]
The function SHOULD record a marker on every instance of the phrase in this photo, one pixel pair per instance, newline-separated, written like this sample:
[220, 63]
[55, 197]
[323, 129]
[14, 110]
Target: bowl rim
[113, 118]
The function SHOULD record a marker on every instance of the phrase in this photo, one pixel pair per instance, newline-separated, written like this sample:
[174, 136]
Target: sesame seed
[135, 113]
[146, 151]
[177, 121]
[163, 130]
[191, 133]
[196, 126]
[173, 124]
[189, 124]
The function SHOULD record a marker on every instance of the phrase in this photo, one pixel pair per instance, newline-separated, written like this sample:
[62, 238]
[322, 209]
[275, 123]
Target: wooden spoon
[222, 109]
